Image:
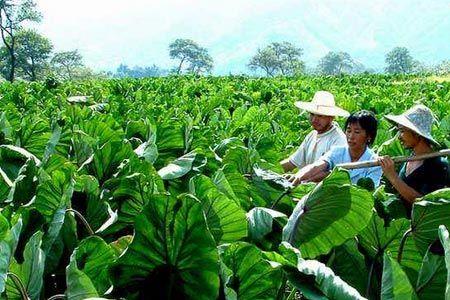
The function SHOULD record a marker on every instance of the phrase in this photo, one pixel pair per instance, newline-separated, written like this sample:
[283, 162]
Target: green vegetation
[158, 188]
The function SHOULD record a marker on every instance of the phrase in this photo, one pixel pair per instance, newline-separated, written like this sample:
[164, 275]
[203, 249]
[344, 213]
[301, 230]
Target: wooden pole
[397, 159]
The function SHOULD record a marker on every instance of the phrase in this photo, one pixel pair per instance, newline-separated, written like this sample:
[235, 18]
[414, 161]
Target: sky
[137, 32]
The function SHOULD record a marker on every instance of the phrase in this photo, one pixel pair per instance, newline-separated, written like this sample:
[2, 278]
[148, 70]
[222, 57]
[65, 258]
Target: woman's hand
[388, 166]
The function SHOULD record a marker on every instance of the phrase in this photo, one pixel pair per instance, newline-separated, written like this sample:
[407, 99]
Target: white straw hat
[322, 104]
[419, 119]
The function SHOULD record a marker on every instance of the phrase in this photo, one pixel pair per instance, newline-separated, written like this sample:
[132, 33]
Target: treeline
[285, 59]
[28, 55]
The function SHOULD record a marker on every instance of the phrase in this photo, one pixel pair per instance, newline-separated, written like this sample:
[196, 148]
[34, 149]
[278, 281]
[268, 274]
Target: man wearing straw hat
[326, 134]
[416, 178]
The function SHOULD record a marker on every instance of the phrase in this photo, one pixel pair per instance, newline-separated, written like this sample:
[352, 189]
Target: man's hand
[296, 178]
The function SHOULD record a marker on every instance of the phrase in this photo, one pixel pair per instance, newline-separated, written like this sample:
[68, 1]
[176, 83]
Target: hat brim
[331, 111]
[402, 120]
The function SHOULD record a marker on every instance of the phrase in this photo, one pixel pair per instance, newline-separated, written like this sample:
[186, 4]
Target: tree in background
[278, 59]
[193, 58]
[443, 68]
[67, 63]
[139, 72]
[32, 54]
[399, 61]
[335, 63]
[12, 14]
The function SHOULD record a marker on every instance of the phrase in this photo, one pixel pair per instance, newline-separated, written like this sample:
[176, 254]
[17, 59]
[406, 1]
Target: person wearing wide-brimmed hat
[416, 178]
[326, 134]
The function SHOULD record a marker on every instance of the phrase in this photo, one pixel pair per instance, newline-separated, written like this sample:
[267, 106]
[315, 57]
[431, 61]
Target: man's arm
[297, 160]
[287, 165]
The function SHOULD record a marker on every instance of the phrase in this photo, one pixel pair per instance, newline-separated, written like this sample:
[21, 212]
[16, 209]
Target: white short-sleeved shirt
[315, 145]
[340, 155]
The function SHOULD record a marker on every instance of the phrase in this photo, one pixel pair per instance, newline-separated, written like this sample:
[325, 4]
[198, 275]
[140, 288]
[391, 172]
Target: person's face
[407, 137]
[320, 123]
[357, 137]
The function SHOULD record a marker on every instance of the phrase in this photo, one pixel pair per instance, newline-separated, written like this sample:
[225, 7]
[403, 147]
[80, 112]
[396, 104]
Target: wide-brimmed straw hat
[322, 104]
[419, 119]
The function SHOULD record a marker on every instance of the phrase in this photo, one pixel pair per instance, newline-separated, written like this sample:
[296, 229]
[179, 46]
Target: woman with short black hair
[360, 131]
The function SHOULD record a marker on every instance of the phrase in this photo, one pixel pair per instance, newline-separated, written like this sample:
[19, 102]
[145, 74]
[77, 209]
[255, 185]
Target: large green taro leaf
[54, 190]
[261, 221]
[226, 220]
[314, 279]
[87, 273]
[253, 277]
[329, 215]
[395, 283]
[348, 263]
[172, 255]
[33, 135]
[433, 210]
[234, 186]
[445, 240]
[182, 165]
[30, 272]
[130, 190]
[12, 158]
[9, 237]
[24, 186]
[376, 237]
[107, 159]
[240, 159]
[432, 277]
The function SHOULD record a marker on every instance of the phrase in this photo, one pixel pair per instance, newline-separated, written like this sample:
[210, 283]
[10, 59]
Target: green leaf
[9, 237]
[411, 258]
[427, 214]
[88, 269]
[376, 237]
[12, 158]
[261, 221]
[181, 166]
[314, 279]
[445, 240]
[329, 215]
[431, 281]
[107, 159]
[240, 159]
[50, 147]
[53, 192]
[79, 285]
[119, 246]
[225, 219]
[225, 144]
[172, 253]
[30, 272]
[24, 187]
[395, 283]
[348, 263]
[33, 135]
[226, 276]
[148, 151]
[234, 186]
[254, 277]
[129, 194]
